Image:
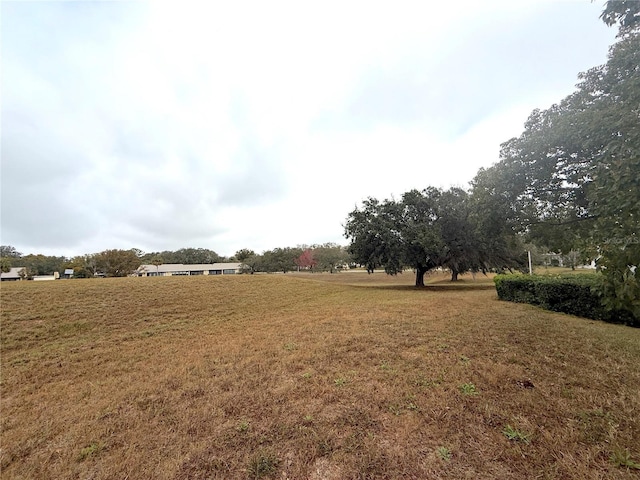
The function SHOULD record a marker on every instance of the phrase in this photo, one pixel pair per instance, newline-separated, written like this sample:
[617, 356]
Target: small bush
[575, 294]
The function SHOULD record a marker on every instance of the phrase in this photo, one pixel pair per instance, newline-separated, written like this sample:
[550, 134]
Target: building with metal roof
[179, 269]
[13, 274]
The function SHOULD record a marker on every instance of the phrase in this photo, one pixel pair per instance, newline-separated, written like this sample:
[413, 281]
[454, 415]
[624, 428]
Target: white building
[173, 269]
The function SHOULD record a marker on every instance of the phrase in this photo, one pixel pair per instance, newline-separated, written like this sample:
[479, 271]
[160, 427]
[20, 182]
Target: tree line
[110, 263]
[329, 257]
[326, 257]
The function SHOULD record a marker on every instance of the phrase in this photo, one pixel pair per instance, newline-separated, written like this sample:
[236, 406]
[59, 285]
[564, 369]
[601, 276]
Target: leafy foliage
[34, 264]
[626, 13]
[329, 256]
[84, 266]
[306, 260]
[620, 266]
[183, 255]
[574, 294]
[8, 251]
[117, 263]
[42, 264]
[371, 231]
[570, 181]
[279, 259]
[5, 265]
[432, 228]
[244, 254]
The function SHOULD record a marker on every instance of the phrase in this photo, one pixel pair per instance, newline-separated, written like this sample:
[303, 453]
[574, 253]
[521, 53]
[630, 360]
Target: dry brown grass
[316, 377]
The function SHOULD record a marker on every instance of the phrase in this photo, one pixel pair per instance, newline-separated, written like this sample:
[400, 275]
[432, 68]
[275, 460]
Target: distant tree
[243, 254]
[5, 265]
[82, 265]
[25, 274]
[117, 263]
[146, 258]
[156, 261]
[253, 263]
[7, 251]
[306, 260]
[192, 256]
[38, 264]
[572, 259]
[367, 228]
[280, 259]
[91, 263]
[10, 256]
[329, 256]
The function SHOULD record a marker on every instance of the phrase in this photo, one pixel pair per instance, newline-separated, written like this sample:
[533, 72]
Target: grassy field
[347, 376]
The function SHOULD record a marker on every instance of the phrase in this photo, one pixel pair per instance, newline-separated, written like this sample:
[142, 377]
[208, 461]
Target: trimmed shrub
[575, 294]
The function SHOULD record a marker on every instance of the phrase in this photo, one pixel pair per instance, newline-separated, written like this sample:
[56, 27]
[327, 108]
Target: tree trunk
[420, 271]
[454, 275]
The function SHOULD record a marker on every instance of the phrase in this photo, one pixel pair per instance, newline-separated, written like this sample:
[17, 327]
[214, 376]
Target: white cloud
[163, 125]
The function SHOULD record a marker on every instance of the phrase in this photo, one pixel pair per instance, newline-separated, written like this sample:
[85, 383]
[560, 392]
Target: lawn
[299, 376]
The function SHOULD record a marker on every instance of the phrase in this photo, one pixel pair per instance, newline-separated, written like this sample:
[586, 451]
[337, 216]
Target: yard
[303, 376]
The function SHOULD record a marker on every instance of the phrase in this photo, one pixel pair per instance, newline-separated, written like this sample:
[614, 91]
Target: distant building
[552, 259]
[13, 274]
[179, 269]
[44, 278]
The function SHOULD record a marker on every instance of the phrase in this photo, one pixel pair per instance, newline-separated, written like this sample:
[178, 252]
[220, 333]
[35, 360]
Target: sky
[226, 125]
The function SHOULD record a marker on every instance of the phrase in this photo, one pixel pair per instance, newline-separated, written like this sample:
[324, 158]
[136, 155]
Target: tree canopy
[432, 228]
[184, 255]
[117, 263]
[625, 13]
[571, 179]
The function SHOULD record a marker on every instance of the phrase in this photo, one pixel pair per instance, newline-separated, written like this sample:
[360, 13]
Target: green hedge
[574, 294]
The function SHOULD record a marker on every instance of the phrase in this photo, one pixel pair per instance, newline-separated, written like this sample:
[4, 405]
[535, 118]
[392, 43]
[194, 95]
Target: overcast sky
[229, 125]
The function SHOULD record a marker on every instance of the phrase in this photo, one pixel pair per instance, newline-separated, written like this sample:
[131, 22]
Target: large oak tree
[572, 179]
[433, 228]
